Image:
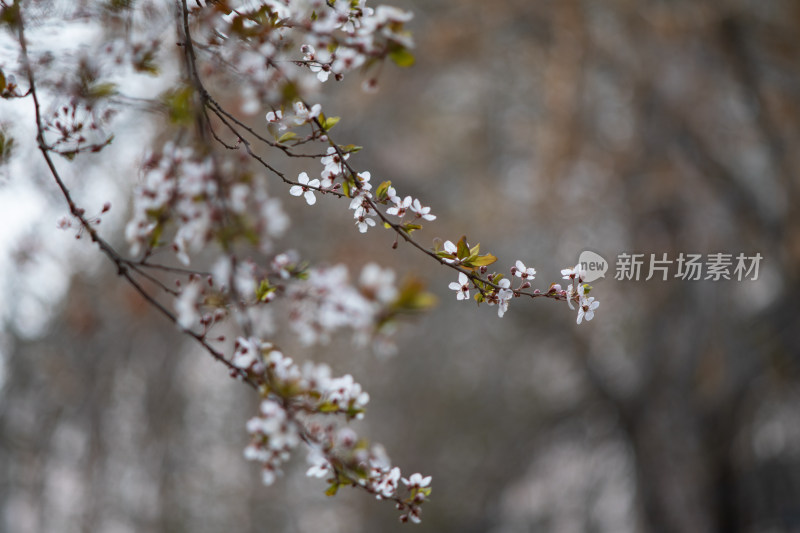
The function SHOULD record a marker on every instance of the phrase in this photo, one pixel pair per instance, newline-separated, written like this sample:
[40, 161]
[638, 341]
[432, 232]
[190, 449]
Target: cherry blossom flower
[413, 515]
[64, 222]
[416, 481]
[574, 294]
[520, 271]
[503, 296]
[587, 307]
[326, 179]
[186, 305]
[363, 181]
[318, 64]
[305, 188]
[333, 162]
[346, 59]
[387, 484]
[363, 220]
[320, 466]
[391, 193]
[276, 117]
[361, 200]
[283, 264]
[247, 353]
[422, 212]
[573, 273]
[450, 248]
[378, 283]
[400, 206]
[461, 286]
[303, 115]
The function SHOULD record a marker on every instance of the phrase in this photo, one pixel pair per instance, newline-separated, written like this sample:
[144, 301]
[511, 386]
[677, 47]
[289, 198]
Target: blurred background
[539, 129]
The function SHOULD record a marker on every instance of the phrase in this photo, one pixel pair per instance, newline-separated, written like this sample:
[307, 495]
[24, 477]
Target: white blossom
[575, 273]
[400, 206]
[450, 248]
[416, 481]
[422, 212]
[521, 271]
[503, 296]
[586, 309]
[305, 188]
[186, 305]
[461, 287]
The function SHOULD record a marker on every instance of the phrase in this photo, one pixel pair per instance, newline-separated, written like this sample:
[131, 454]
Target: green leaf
[328, 407]
[289, 92]
[2, 81]
[180, 103]
[413, 297]
[333, 489]
[6, 146]
[288, 136]
[482, 260]
[382, 190]
[156, 235]
[463, 249]
[120, 5]
[330, 122]
[147, 64]
[410, 227]
[10, 14]
[351, 148]
[264, 290]
[102, 90]
[401, 57]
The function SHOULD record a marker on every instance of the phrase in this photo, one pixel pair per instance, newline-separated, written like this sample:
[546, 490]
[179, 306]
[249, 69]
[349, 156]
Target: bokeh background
[539, 129]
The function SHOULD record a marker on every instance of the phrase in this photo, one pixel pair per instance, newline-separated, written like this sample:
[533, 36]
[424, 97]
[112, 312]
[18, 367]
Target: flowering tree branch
[193, 196]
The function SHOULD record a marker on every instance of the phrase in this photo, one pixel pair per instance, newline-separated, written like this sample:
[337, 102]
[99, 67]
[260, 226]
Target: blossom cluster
[257, 41]
[326, 301]
[298, 404]
[369, 466]
[577, 292]
[204, 199]
[495, 289]
[363, 202]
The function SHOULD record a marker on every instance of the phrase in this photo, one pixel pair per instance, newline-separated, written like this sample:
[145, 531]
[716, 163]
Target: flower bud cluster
[79, 127]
